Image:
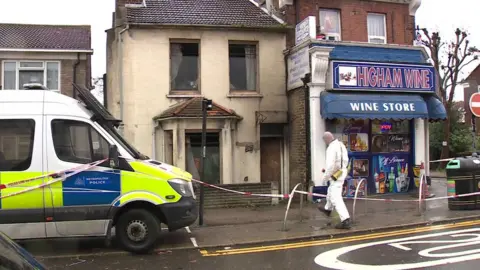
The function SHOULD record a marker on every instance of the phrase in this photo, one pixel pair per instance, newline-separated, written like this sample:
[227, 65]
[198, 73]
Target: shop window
[353, 133]
[16, 144]
[390, 136]
[78, 142]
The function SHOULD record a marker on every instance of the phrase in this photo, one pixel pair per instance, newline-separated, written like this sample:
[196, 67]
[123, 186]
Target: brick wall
[67, 75]
[215, 198]
[298, 142]
[353, 13]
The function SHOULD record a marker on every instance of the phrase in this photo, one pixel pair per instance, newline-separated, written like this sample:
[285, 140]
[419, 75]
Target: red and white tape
[285, 196]
[61, 177]
[392, 200]
[21, 182]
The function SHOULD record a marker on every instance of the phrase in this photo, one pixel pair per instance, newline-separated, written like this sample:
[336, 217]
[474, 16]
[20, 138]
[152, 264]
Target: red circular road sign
[475, 104]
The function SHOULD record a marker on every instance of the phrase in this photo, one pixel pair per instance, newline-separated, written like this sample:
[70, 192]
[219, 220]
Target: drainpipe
[308, 177]
[75, 74]
[120, 72]
[154, 143]
[297, 12]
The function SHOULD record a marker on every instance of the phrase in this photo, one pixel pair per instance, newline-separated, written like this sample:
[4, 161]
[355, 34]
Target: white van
[42, 133]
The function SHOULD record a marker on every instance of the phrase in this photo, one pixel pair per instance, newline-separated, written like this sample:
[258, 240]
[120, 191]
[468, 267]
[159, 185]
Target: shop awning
[436, 110]
[379, 106]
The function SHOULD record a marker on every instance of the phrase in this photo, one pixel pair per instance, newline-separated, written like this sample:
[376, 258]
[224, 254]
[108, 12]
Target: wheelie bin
[463, 177]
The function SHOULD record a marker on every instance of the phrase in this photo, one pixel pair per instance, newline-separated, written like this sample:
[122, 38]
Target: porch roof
[192, 108]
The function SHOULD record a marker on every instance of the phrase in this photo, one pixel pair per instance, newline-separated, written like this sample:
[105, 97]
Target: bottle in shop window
[391, 180]
[377, 184]
[381, 181]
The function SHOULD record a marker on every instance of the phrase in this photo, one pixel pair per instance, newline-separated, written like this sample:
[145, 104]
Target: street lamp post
[206, 106]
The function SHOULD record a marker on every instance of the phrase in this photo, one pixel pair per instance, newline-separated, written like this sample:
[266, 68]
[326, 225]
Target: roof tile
[202, 12]
[193, 108]
[50, 37]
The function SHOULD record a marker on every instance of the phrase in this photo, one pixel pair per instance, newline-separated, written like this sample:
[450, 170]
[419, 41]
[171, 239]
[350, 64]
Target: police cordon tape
[59, 176]
[286, 196]
[62, 175]
[391, 200]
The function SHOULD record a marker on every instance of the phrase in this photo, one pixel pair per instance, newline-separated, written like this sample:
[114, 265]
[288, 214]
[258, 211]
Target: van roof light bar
[34, 86]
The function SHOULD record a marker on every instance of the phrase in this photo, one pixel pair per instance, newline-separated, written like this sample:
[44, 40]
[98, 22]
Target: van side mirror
[114, 156]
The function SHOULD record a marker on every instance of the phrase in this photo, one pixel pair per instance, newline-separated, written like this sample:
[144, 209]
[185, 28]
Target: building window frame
[256, 89]
[185, 91]
[16, 141]
[43, 68]
[372, 37]
[95, 143]
[338, 36]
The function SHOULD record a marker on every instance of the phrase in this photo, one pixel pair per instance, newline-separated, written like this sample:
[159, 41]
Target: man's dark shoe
[326, 212]
[344, 224]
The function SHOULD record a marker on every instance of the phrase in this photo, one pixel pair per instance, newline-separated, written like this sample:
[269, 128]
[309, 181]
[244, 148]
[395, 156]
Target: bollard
[355, 198]
[288, 206]
[420, 194]
[301, 207]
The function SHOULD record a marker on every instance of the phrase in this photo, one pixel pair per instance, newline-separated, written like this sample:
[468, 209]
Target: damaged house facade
[164, 57]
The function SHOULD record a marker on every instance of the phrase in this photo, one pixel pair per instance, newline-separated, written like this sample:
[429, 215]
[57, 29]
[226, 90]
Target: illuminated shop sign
[385, 127]
[389, 77]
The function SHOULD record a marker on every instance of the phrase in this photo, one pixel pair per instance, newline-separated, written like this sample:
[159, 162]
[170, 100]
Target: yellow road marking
[205, 253]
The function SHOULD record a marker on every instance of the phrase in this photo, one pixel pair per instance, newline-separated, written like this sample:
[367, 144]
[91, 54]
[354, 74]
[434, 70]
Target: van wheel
[138, 230]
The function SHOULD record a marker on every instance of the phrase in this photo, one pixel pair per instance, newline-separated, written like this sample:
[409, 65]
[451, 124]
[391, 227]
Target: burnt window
[184, 66]
[243, 66]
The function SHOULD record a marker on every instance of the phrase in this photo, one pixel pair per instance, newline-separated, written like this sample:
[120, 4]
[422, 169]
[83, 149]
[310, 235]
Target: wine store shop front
[374, 109]
[378, 100]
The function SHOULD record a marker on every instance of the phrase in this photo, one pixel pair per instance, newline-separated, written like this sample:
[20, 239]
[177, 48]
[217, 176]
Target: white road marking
[330, 258]
[399, 246]
[476, 237]
[194, 242]
[188, 229]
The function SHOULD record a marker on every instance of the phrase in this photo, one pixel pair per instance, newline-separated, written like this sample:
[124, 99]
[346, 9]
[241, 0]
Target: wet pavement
[244, 226]
[452, 246]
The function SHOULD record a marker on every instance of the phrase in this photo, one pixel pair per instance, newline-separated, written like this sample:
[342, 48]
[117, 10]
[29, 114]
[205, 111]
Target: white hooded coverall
[336, 151]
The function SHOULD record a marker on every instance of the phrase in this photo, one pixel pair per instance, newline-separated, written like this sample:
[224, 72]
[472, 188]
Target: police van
[42, 133]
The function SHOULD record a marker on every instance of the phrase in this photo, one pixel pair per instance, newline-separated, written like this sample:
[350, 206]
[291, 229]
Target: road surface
[450, 246]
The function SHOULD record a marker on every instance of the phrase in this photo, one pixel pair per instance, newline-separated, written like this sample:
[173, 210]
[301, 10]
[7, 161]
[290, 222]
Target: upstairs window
[243, 66]
[330, 24]
[17, 73]
[377, 32]
[184, 66]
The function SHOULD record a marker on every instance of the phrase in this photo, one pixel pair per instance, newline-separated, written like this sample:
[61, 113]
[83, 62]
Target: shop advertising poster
[360, 169]
[390, 173]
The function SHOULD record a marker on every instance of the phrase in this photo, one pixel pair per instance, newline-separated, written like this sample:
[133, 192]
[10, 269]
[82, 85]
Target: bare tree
[449, 59]
[98, 83]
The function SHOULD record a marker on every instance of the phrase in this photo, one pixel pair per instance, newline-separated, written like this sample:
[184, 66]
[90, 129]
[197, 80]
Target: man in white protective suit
[336, 162]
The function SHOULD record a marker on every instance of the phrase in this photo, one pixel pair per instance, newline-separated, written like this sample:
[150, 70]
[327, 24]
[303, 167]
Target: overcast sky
[434, 14]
